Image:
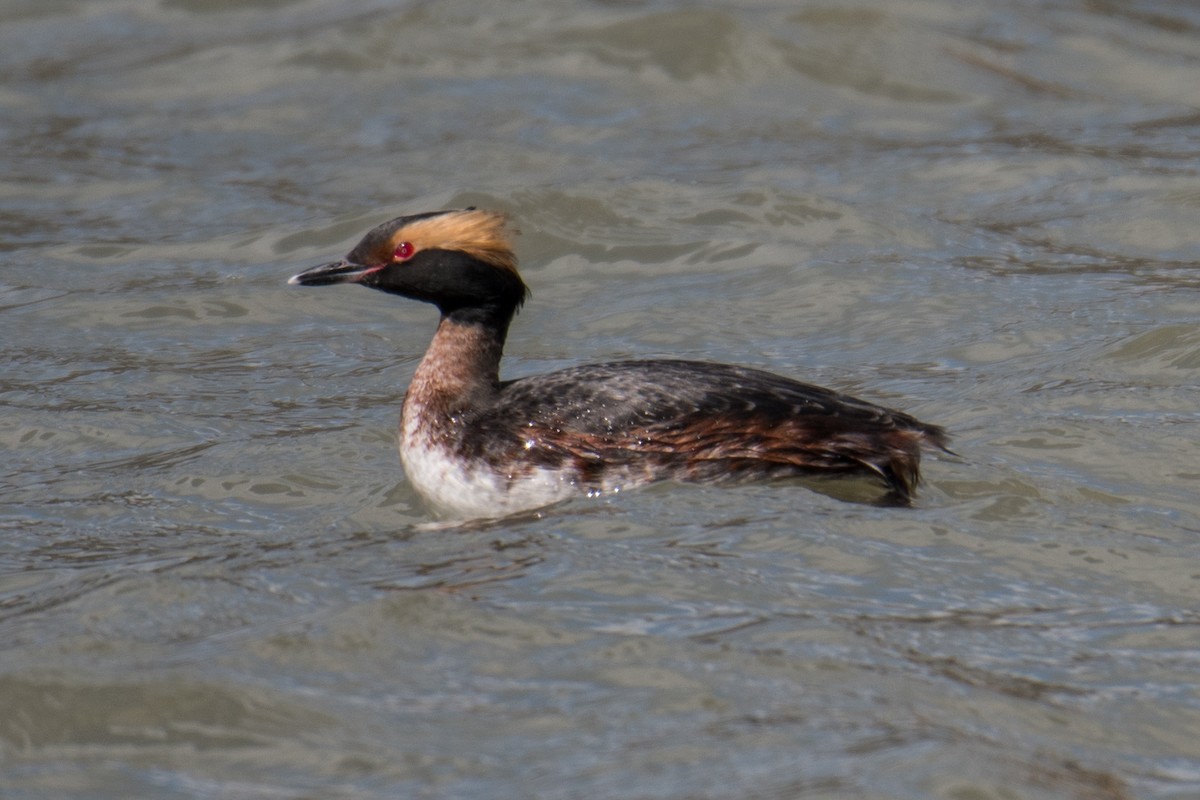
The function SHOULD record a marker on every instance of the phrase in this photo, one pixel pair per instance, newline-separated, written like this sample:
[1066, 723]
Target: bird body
[475, 446]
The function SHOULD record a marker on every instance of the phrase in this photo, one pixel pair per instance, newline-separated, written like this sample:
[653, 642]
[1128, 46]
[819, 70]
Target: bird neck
[461, 368]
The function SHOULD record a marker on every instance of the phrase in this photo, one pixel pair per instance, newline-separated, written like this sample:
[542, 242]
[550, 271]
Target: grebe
[475, 446]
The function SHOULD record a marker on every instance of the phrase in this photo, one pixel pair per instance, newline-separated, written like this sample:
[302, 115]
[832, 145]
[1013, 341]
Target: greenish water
[215, 582]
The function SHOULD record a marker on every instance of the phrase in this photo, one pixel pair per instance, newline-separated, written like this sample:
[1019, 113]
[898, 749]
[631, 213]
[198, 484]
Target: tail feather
[899, 463]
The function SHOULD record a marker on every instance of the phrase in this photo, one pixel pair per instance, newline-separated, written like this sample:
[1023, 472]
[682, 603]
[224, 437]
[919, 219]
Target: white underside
[473, 490]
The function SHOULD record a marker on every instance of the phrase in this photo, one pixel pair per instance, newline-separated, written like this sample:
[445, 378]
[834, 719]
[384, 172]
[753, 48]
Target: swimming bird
[476, 446]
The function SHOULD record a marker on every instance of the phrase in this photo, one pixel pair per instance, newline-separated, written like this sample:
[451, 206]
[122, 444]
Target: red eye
[404, 251]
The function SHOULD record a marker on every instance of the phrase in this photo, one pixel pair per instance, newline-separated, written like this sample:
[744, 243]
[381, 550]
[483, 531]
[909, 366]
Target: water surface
[215, 581]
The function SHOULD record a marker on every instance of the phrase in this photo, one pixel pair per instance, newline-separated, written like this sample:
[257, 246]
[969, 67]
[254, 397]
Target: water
[215, 582]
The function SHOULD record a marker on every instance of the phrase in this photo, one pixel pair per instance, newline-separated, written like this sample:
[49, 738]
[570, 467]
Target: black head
[461, 261]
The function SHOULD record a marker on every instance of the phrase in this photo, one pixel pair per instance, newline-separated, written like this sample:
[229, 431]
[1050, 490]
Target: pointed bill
[338, 272]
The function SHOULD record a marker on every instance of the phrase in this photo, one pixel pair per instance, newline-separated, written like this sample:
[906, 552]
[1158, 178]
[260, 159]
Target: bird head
[459, 260]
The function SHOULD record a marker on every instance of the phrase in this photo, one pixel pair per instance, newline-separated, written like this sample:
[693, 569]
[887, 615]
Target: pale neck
[461, 368]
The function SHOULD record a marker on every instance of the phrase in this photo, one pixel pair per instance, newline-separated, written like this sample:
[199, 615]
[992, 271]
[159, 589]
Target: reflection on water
[215, 582]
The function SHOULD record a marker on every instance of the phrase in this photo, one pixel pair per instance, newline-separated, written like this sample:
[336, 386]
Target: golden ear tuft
[480, 233]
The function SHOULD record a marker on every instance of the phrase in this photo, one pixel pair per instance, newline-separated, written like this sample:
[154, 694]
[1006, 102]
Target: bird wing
[672, 412]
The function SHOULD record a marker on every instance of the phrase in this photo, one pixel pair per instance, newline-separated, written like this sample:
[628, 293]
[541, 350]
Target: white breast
[474, 489]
